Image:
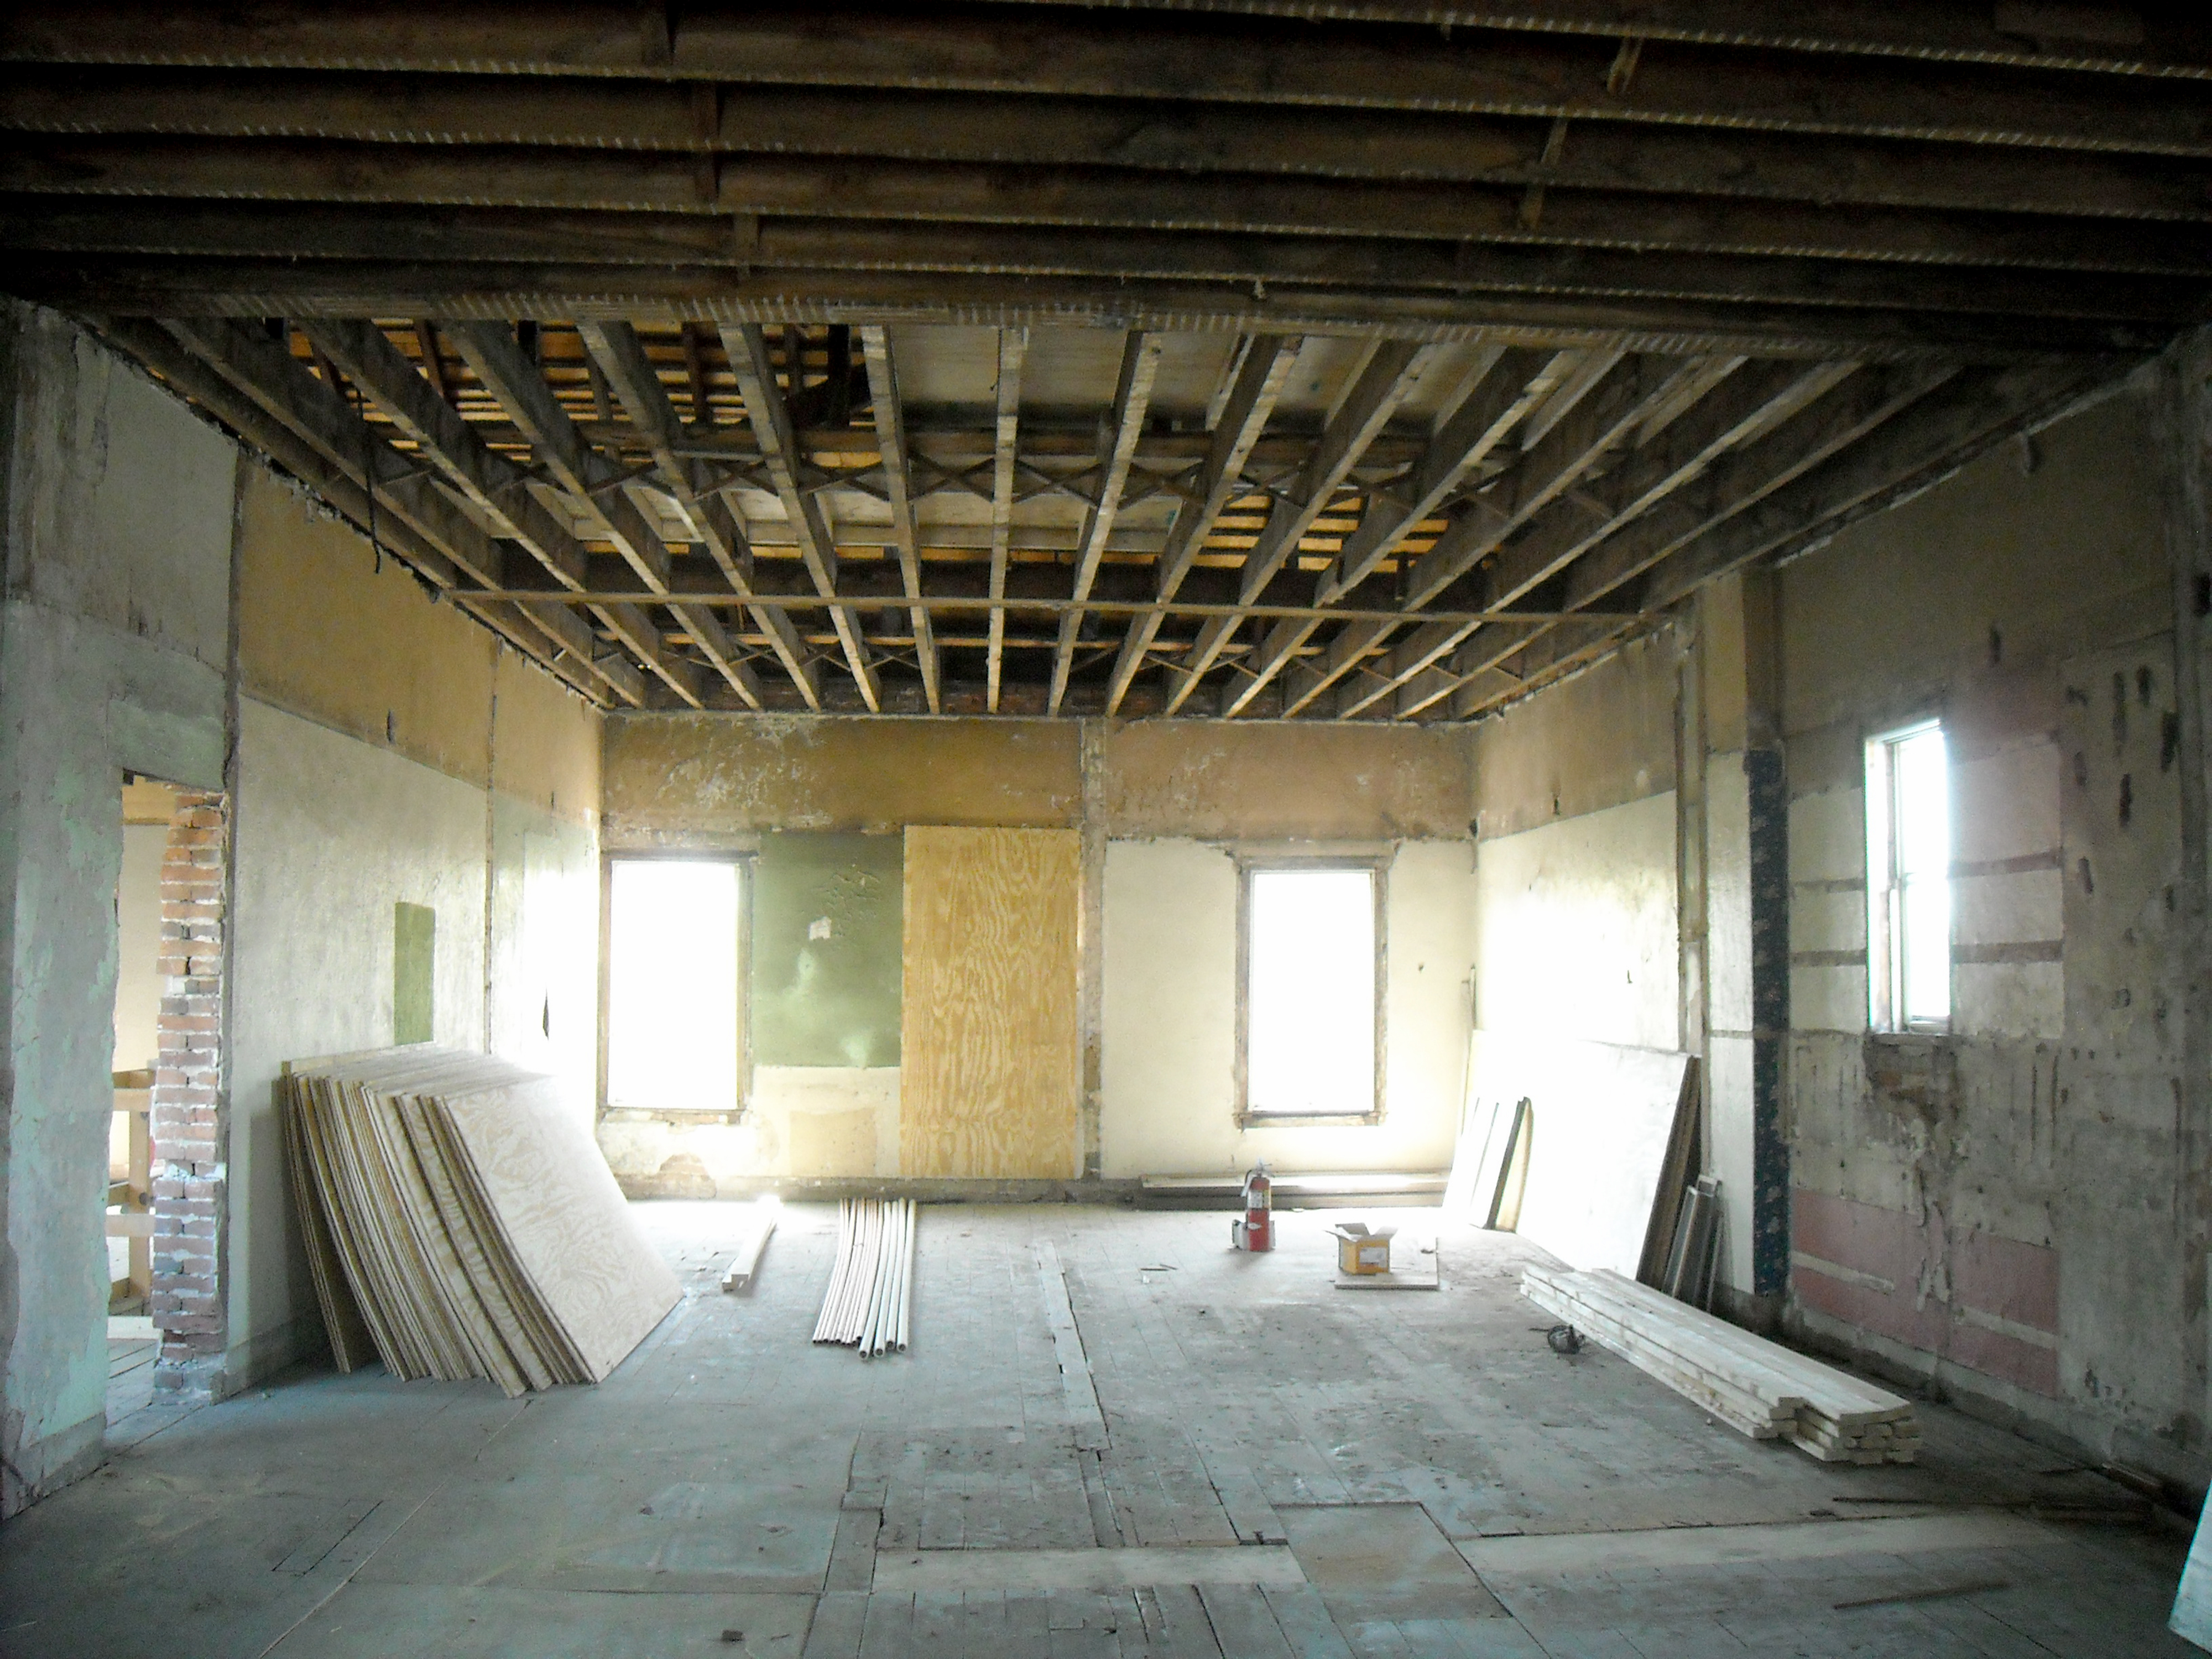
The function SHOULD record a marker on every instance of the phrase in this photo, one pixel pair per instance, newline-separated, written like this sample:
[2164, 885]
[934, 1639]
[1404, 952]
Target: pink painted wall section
[1988, 1304]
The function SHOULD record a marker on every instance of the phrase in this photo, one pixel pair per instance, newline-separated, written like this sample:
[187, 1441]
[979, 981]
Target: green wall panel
[827, 919]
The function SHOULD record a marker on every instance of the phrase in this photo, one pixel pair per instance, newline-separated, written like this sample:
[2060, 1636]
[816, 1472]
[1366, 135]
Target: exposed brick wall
[188, 1160]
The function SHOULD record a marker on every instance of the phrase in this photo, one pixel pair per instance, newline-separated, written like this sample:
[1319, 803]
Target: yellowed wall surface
[1600, 740]
[323, 634]
[1280, 781]
[675, 778]
[546, 749]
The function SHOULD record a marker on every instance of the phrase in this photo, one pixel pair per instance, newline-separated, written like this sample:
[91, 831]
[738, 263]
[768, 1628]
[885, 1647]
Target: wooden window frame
[741, 1110]
[1885, 891]
[1249, 864]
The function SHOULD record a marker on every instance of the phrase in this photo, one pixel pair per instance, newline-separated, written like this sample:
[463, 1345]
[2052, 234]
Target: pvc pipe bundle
[870, 1304]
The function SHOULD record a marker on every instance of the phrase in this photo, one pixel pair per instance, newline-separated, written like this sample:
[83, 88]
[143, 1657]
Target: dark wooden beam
[260, 230]
[571, 141]
[1258, 383]
[897, 462]
[315, 415]
[1119, 430]
[2115, 40]
[621, 357]
[770, 416]
[1213, 59]
[1392, 374]
[1013, 348]
[140, 285]
[499, 488]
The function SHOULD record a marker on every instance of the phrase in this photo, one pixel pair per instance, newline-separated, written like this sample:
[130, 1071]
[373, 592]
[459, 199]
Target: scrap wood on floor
[1766, 1390]
[460, 1222]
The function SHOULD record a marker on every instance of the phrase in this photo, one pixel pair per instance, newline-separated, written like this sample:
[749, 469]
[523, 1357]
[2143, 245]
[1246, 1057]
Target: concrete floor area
[1275, 1467]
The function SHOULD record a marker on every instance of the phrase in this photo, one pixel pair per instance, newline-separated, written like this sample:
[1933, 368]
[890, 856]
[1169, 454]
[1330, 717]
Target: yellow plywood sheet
[989, 1039]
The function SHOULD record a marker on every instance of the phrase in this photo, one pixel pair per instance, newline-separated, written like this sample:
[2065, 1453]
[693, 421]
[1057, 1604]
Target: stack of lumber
[1759, 1387]
[870, 1302]
[461, 1223]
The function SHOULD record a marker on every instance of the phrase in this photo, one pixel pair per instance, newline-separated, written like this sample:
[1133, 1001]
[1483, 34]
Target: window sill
[1304, 1120]
[682, 1116]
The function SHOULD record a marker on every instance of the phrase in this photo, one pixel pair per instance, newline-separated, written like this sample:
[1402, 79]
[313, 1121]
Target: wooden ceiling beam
[1392, 375]
[1918, 449]
[562, 645]
[499, 488]
[577, 144]
[1013, 347]
[315, 414]
[1606, 417]
[588, 480]
[1056, 54]
[1119, 430]
[148, 285]
[897, 460]
[768, 413]
[2079, 269]
[1258, 383]
[620, 356]
[2114, 39]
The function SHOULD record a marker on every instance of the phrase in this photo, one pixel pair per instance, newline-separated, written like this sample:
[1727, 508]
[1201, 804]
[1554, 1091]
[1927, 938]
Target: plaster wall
[1576, 935]
[330, 834]
[389, 751]
[113, 640]
[813, 802]
[1169, 1100]
[1996, 1207]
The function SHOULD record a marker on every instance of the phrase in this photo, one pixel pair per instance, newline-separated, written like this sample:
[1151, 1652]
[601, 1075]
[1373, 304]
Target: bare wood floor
[1232, 1460]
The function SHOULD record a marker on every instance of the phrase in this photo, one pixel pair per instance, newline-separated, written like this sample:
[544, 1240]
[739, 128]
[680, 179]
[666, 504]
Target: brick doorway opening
[175, 1003]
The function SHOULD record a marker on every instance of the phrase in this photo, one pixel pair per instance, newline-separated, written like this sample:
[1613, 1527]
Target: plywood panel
[989, 1041]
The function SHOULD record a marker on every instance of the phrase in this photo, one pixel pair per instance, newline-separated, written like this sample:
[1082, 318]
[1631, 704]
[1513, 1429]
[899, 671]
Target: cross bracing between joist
[1369, 530]
[1215, 359]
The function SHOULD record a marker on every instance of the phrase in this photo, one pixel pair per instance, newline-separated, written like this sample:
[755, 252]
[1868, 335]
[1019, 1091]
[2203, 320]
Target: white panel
[1169, 1014]
[1577, 928]
[2005, 806]
[1828, 999]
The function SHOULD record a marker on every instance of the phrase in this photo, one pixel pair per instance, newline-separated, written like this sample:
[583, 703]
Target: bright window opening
[1310, 992]
[675, 1035]
[1908, 880]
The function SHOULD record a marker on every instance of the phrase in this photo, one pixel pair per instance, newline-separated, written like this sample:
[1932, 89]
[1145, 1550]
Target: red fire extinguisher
[1255, 1229]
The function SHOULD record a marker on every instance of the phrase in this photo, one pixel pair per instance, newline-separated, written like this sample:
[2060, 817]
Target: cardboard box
[1361, 1250]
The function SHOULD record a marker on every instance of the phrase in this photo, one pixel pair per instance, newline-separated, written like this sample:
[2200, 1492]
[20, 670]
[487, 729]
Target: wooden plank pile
[461, 1223]
[870, 1302]
[1758, 1387]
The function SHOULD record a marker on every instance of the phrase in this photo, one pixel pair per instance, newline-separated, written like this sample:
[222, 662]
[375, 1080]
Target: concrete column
[1743, 827]
[2185, 373]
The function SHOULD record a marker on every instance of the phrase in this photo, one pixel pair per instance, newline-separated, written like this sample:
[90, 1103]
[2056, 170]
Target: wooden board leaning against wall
[988, 1028]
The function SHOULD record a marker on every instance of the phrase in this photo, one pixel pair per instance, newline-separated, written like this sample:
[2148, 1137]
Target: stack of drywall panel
[454, 1208]
[1759, 1387]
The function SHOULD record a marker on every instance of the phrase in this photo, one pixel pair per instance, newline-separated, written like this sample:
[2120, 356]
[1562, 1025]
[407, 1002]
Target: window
[675, 1031]
[1312, 971]
[1908, 880]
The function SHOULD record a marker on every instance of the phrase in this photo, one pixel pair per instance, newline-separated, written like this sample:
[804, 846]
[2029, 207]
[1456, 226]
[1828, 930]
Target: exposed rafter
[620, 357]
[898, 488]
[1119, 429]
[1013, 346]
[1251, 401]
[770, 416]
